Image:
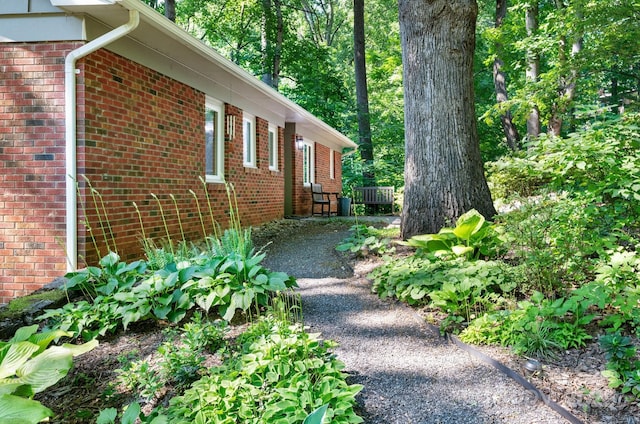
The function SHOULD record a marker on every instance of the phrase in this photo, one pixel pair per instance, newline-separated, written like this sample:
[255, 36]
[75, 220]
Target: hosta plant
[28, 366]
[472, 236]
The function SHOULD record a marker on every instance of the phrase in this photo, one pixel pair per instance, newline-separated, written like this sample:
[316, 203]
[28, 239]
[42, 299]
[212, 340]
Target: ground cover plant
[560, 269]
[268, 370]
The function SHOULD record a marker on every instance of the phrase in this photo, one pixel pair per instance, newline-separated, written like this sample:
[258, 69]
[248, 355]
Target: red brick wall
[139, 132]
[144, 134]
[32, 188]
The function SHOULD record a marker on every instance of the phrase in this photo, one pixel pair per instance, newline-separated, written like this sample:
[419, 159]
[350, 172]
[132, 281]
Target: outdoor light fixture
[299, 142]
[230, 124]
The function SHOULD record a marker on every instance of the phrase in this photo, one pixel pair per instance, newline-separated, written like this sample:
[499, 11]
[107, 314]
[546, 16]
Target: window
[249, 140]
[332, 169]
[307, 163]
[214, 142]
[273, 148]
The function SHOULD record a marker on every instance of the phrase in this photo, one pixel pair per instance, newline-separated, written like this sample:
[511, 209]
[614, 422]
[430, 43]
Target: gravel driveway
[409, 373]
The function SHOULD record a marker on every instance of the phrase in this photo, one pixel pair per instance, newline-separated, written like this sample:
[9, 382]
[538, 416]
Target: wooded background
[539, 67]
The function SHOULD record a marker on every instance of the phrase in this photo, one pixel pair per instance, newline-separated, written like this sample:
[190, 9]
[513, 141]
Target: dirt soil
[573, 379]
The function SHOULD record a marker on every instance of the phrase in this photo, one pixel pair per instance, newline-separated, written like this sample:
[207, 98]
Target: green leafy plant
[366, 240]
[28, 365]
[131, 415]
[112, 275]
[471, 237]
[138, 376]
[623, 365]
[281, 374]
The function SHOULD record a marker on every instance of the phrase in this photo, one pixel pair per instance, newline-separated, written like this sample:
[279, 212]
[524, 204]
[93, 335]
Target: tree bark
[362, 95]
[533, 67]
[271, 41]
[567, 81]
[444, 175]
[170, 10]
[500, 84]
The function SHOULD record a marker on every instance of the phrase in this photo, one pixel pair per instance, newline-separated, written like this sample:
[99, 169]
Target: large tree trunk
[444, 175]
[362, 95]
[271, 41]
[170, 10]
[533, 67]
[500, 83]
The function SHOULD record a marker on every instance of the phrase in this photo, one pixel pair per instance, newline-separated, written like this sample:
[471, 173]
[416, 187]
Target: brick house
[111, 92]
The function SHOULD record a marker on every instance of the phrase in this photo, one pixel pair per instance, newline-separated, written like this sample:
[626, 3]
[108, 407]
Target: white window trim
[247, 118]
[332, 167]
[273, 154]
[308, 144]
[218, 106]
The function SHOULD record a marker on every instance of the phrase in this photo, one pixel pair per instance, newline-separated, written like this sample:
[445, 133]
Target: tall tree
[533, 66]
[500, 83]
[568, 77]
[362, 95]
[170, 10]
[444, 175]
[272, 34]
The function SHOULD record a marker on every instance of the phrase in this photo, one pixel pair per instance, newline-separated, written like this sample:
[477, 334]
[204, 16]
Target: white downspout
[70, 129]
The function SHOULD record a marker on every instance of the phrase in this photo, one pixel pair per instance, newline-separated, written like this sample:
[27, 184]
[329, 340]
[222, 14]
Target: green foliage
[131, 415]
[366, 240]
[228, 282]
[111, 276]
[623, 365]
[138, 376]
[28, 365]
[181, 358]
[182, 354]
[459, 287]
[317, 416]
[281, 374]
[471, 237]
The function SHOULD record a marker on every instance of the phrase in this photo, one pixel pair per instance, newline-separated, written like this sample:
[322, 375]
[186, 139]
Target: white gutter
[70, 128]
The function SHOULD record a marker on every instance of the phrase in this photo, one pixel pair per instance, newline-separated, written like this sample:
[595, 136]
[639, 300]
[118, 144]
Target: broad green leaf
[16, 356]
[46, 369]
[161, 312]
[461, 250]
[23, 333]
[468, 224]
[17, 410]
[77, 350]
[109, 260]
[317, 416]
[9, 385]
[131, 414]
[107, 416]
[43, 339]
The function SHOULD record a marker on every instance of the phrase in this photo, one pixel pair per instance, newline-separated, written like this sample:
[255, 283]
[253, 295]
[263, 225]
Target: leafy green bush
[471, 237]
[281, 374]
[368, 240]
[623, 366]
[556, 242]
[181, 358]
[28, 366]
[227, 282]
[461, 288]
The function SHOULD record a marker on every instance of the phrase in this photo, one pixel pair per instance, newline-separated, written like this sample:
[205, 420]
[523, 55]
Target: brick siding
[139, 133]
[32, 188]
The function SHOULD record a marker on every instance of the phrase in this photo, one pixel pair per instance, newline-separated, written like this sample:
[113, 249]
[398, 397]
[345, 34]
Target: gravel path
[409, 373]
